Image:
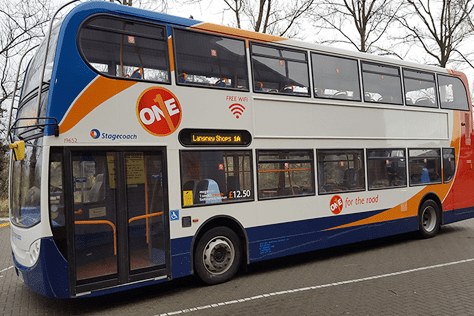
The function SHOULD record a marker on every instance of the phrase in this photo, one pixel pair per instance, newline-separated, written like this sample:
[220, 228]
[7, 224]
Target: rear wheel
[429, 219]
[218, 255]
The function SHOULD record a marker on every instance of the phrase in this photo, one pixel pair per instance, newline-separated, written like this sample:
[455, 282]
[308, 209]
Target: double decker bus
[148, 147]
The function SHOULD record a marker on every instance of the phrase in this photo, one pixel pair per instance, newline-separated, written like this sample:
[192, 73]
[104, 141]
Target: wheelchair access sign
[174, 215]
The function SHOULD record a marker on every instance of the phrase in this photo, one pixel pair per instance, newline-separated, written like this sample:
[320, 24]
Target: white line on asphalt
[6, 269]
[263, 296]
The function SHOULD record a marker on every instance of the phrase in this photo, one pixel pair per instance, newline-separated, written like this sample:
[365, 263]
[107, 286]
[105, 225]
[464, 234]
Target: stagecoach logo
[159, 111]
[95, 133]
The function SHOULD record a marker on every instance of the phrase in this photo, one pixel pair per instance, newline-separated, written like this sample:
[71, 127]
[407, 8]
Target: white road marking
[315, 287]
[6, 269]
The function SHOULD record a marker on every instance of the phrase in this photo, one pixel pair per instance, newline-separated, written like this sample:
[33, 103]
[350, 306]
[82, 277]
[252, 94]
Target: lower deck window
[386, 168]
[449, 164]
[341, 170]
[424, 166]
[216, 176]
[285, 173]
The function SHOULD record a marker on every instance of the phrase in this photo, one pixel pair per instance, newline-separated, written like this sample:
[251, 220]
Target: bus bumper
[49, 276]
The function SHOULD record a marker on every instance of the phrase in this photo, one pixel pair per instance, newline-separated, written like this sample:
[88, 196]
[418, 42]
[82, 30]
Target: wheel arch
[432, 196]
[226, 221]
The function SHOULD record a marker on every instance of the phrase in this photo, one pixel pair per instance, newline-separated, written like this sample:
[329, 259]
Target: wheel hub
[218, 255]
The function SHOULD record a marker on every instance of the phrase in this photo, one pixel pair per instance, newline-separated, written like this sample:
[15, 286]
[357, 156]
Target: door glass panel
[145, 204]
[95, 215]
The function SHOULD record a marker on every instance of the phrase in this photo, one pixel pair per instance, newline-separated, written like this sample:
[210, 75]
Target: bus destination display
[200, 137]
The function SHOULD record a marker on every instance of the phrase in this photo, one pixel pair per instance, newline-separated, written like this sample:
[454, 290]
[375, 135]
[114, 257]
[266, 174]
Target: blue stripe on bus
[50, 275]
[73, 75]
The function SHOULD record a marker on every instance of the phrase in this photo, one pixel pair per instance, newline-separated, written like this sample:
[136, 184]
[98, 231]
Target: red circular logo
[159, 111]
[336, 204]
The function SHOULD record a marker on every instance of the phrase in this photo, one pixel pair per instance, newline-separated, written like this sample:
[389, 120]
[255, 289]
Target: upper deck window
[452, 93]
[210, 60]
[420, 88]
[335, 77]
[381, 83]
[279, 70]
[125, 48]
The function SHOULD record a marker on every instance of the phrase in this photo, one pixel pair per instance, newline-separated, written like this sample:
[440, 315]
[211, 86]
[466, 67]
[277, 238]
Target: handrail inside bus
[144, 216]
[102, 222]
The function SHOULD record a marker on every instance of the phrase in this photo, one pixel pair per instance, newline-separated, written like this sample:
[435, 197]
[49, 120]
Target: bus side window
[382, 83]
[341, 170]
[386, 168]
[335, 77]
[424, 166]
[452, 93]
[285, 173]
[216, 176]
[420, 88]
[279, 70]
[125, 48]
[210, 60]
[449, 164]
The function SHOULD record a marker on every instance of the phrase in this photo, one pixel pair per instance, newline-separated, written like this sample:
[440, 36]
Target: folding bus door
[120, 232]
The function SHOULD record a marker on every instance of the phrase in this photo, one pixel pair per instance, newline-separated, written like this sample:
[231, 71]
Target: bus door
[120, 228]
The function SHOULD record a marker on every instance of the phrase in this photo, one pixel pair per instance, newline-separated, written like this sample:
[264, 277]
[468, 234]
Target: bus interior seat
[209, 190]
[425, 176]
[182, 78]
[221, 82]
[287, 89]
[95, 192]
[258, 86]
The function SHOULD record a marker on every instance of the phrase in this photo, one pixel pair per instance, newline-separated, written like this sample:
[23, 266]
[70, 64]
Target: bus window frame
[385, 65]
[443, 149]
[386, 158]
[438, 86]
[252, 197]
[310, 160]
[436, 93]
[121, 18]
[278, 47]
[339, 150]
[358, 69]
[440, 157]
[205, 86]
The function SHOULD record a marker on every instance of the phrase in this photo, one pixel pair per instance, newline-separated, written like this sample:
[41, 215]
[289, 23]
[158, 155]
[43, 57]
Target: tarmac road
[401, 275]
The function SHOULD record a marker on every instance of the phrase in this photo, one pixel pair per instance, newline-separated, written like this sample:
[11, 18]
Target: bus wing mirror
[18, 150]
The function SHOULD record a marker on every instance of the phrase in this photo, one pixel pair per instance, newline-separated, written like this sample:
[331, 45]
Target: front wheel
[429, 219]
[218, 255]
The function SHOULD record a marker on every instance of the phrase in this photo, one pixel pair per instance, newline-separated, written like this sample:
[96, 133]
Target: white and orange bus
[157, 147]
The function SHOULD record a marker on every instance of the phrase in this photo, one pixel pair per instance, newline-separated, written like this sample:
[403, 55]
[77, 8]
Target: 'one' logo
[95, 133]
[336, 204]
[159, 111]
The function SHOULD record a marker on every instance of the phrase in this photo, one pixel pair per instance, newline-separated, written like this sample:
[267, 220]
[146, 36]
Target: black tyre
[429, 219]
[218, 255]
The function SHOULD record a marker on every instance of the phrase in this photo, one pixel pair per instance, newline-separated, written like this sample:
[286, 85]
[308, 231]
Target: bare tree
[22, 24]
[360, 23]
[439, 27]
[275, 17]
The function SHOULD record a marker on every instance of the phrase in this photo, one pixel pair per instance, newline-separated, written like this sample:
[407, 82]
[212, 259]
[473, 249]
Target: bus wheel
[218, 255]
[429, 219]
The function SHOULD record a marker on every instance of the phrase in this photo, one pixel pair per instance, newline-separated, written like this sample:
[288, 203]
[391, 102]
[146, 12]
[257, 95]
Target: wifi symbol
[237, 109]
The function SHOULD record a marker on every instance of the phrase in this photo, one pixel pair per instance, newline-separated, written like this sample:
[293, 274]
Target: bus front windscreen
[26, 186]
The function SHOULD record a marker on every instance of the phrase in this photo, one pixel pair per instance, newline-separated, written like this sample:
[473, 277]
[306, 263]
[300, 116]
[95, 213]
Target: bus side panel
[284, 239]
[50, 275]
[458, 215]
[181, 257]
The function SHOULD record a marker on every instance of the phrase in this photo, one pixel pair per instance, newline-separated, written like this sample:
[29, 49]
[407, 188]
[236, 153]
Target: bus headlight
[34, 251]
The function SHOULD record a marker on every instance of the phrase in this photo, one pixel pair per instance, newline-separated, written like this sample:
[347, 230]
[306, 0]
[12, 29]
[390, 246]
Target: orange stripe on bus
[170, 48]
[99, 91]
[410, 208]
[219, 29]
